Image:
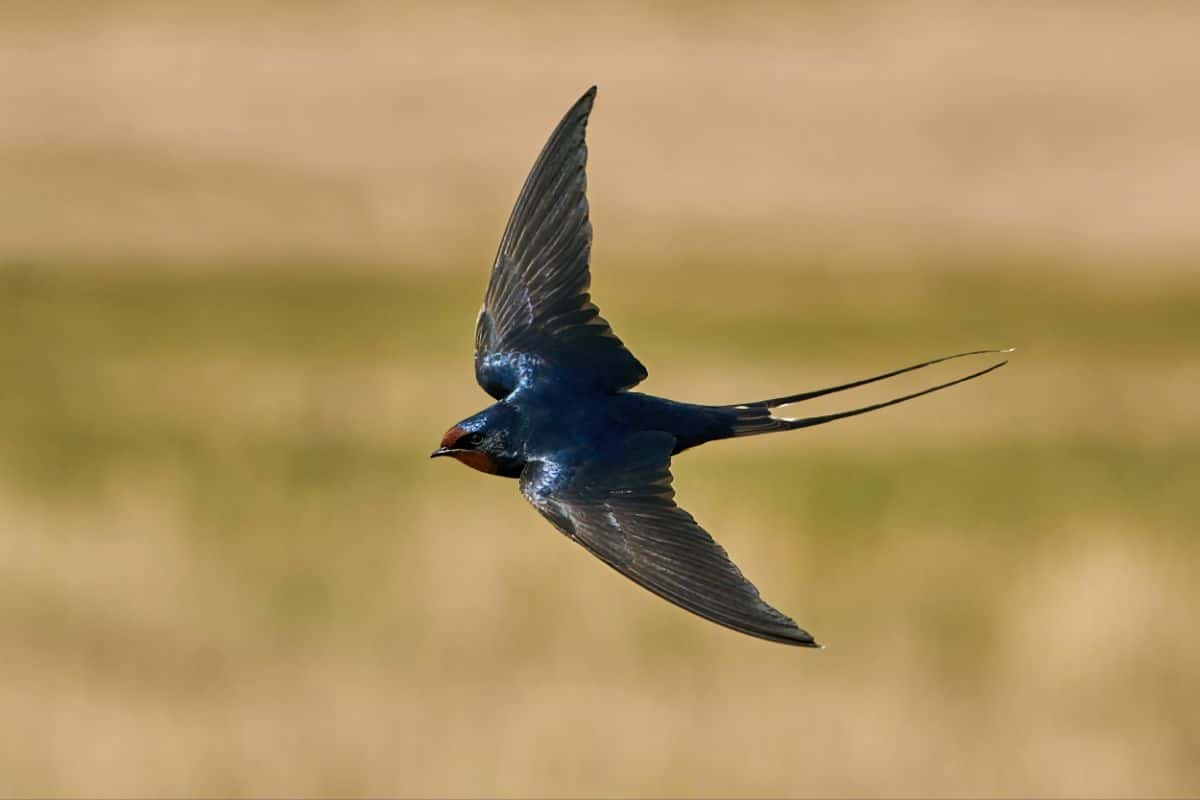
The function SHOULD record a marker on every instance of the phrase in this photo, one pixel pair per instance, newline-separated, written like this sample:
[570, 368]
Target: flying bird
[591, 456]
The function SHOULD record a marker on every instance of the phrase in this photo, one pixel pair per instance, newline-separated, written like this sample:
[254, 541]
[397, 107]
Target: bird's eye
[470, 440]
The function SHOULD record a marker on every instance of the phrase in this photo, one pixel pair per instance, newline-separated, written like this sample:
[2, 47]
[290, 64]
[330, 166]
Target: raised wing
[622, 509]
[537, 312]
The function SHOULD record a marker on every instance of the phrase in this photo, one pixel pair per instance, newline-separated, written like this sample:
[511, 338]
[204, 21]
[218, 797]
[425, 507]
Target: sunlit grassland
[228, 564]
[241, 249]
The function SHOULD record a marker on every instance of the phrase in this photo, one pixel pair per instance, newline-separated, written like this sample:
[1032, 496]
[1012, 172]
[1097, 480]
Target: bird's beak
[442, 451]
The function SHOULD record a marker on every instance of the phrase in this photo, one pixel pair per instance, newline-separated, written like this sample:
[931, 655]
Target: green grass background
[221, 524]
[234, 322]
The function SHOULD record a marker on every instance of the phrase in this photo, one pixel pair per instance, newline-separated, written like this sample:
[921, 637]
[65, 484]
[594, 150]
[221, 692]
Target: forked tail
[755, 418]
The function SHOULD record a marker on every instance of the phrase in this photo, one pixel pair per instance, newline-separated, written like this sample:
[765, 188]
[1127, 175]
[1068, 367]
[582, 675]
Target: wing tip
[788, 633]
[586, 101]
[802, 638]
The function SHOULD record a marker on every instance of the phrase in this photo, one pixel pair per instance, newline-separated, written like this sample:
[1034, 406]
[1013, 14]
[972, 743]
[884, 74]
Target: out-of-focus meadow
[241, 251]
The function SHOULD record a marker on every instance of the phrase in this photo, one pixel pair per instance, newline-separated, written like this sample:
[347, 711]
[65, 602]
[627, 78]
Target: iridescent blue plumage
[591, 456]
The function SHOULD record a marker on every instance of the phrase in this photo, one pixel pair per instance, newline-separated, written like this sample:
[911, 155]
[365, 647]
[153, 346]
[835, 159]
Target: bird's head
[481, 442]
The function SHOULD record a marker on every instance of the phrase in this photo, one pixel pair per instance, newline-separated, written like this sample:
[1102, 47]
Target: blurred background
[241, 251]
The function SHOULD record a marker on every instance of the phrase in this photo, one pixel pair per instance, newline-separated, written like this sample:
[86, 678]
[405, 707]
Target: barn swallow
[591, 456]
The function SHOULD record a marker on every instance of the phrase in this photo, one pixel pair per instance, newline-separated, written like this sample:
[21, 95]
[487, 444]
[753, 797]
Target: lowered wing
[622, 509]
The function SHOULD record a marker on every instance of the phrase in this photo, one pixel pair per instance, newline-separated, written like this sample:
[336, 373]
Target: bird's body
[592, 456]
[550, 420]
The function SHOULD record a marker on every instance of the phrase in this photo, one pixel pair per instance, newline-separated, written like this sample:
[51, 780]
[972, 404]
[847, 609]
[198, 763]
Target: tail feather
[755, 418]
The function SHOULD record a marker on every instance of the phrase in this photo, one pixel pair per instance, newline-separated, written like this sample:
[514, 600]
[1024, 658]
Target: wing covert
[622, 509]
[537, 310]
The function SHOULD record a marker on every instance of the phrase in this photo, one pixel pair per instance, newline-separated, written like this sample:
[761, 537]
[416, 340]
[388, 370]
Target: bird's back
[562, 419]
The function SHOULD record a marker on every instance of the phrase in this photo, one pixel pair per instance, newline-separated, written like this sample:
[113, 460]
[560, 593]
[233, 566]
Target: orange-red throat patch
[472, 458]
[476, 460]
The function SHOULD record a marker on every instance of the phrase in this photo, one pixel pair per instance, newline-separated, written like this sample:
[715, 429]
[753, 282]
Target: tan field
[241, 250]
